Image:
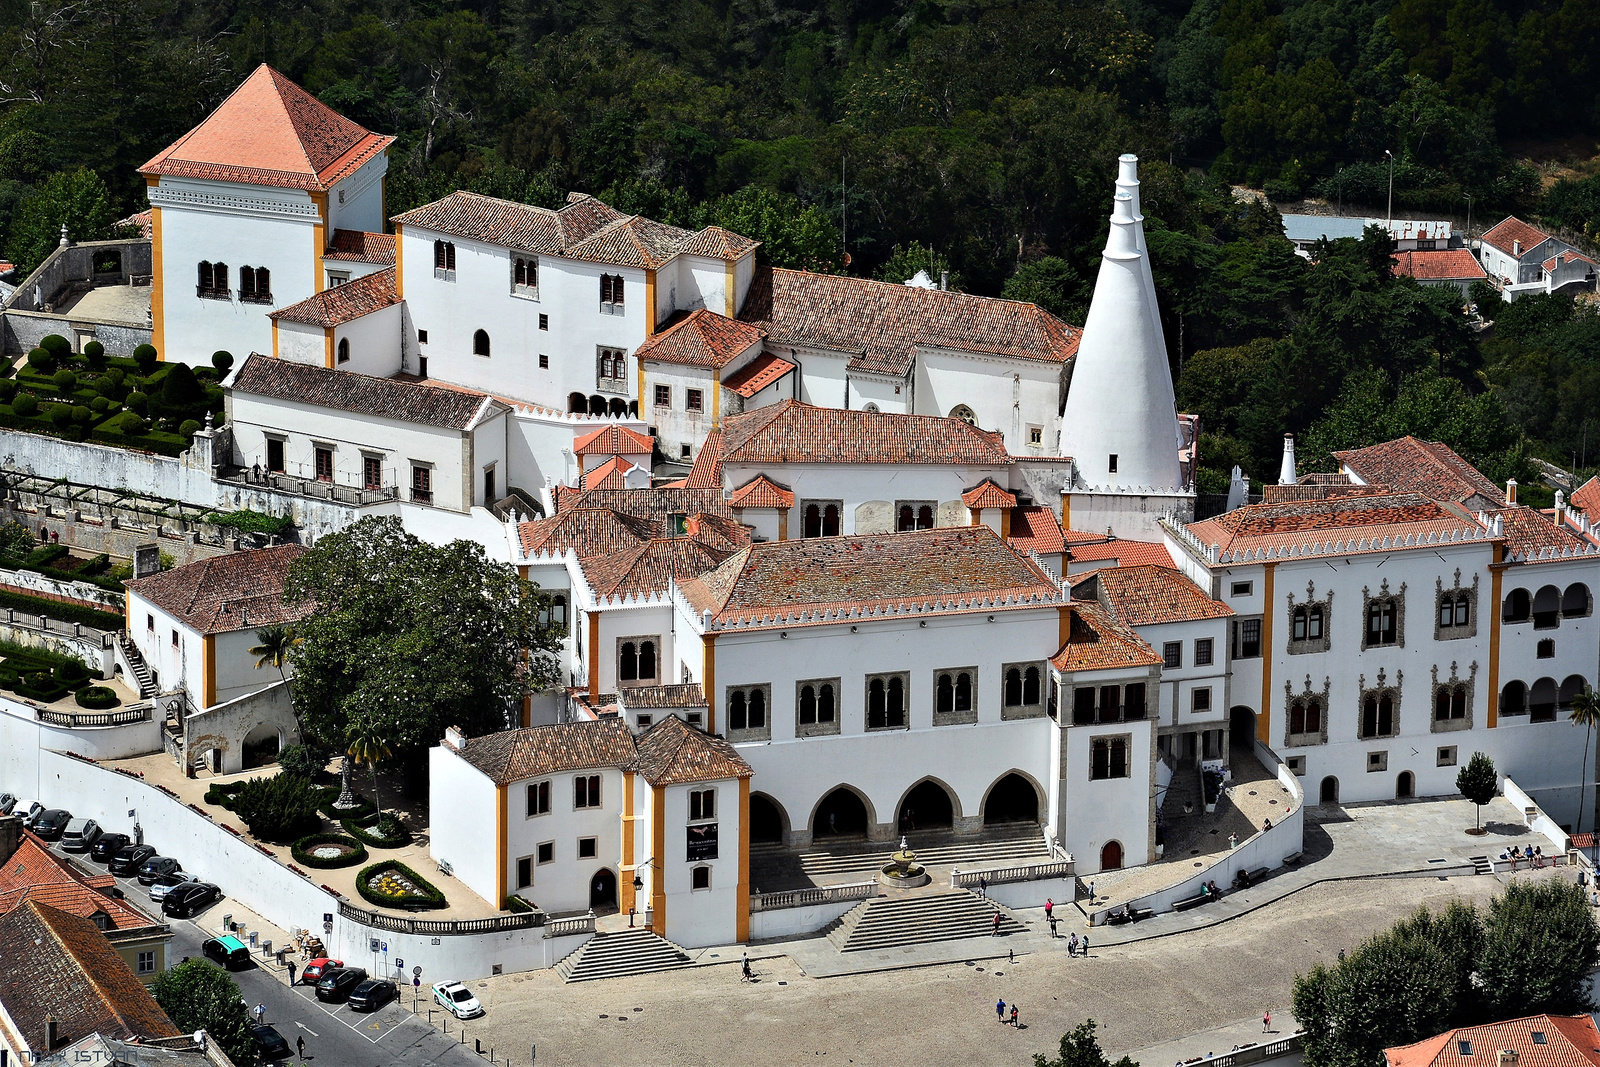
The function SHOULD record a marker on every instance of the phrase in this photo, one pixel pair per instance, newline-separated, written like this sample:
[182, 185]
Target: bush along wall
[389, 832]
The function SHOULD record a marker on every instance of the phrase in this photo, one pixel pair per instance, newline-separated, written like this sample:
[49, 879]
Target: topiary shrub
[147, 357]
[95, 354]
[517, 904]
[43, 361]
[223, 361]
[305, 851]
[82, 415]
[388, 832]
[56, 345]
[104, 386]
[224, 795]
[281, 808]
[70, 672]
[391, 884]
[179, 396]
[138, 401]
[60, 415]
[100, 405]
[188, 427]
[8, 389]
[25, 404]
[117, 375]
[97, 697]
[302, 761]
[131, 424]
[65, 380]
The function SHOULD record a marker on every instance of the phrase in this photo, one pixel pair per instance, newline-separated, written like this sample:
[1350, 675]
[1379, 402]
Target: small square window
[1377, 761]
[1201, 700]
[696, 718]
[700, 878]
[702, 804]
[547, 852]
[1035, 436]
[1296, 765]
[1546, 649]
[1241, 589]
[1172, 655]
[544, 361]
[149, 622]
[147, 963]
[694, 400]
[646, 720]
[663, 396]
[524, 872]
[588, 848]
[1464, 1047]
[683, 450]
[544, 322]
[1447, 756]
[422, 337]
[1538, 1037]
[1203, 652]
[174, 639]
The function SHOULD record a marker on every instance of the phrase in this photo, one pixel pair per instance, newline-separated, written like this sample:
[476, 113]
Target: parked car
[270, 1045]
[7, 802]
[457, 999]
[52, 824]
[184, 900]
[80, 835]
[227, 950]
[317, 968]
[338, 983]
[32, 811]
[156, 866]
[161, 887]
[372, 994]
[129, 858]
[108, 845]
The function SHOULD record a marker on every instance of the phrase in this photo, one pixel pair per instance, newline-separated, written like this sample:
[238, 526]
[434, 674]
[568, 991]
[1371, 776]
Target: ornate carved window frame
[1368, 598]
[1319, 737]
[1310, 644]
[1383, 688]
[1455, 633]
[1444, 726]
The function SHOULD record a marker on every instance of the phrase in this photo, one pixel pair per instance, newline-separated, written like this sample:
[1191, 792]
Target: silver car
[168, 882]
[80, 835]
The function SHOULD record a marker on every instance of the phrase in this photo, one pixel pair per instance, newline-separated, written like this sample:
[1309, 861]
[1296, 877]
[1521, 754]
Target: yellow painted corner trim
[731, 285]
[399, 259]
[709, 647]
[742, 894]
[1496, 575]
[649, 308]
[327, 347]
[629, 899]
[658, 851]
[1264, 713]
[158, 309]
[319, 240]
[275, 339]
[502, 817]
[594, 653]
[209, 681]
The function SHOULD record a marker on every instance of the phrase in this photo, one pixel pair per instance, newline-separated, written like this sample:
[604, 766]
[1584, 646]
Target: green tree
[1585, 713]
[1539, 946]
[1053, 284]
[199, 996]
[280, 808]
[1080, 1048]
[276, 644]
[413, 637]
[368, 745]
[76, 199]
[793, 235]
[1479, 782]
[904, 263]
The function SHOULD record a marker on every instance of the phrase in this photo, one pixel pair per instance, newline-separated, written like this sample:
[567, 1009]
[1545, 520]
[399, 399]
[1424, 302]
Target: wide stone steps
[616, 955]
[894, 922]
[995, 849]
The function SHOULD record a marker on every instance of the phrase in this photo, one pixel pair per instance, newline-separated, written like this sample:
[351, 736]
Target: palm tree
[276, 644]
[1585, 713]
[368, 745]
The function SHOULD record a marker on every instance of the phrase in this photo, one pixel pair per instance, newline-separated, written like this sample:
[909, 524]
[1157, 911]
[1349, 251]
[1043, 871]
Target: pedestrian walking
[1011, 955]
[1072, 944]
[1000, 1009]
[744, 969]
[1085, 946]
[1052, 927]
[983, 886]
[997, 924]
[1266, 1021]
[261, 1011]
[291, 972]
[1013, 1015]
[300, 1047]
[1049, 907]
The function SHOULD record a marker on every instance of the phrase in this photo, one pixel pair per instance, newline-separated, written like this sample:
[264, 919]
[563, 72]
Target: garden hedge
[97, 697]
[434, 898]
[515, 903]
[301, 851]
[390, 832]
[55, 609]
[223, 794]
[47, 693]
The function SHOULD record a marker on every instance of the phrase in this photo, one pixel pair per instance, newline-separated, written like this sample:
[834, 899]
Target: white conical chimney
[1286, 475]
[1120, 424]
[1238, 492]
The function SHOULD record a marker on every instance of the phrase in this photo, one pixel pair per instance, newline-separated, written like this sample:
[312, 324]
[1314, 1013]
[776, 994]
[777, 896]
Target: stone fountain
[903, 871]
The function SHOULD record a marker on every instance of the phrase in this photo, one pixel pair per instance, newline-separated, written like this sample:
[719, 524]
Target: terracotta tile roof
[1564, 1041]
[987, 494]
[633, 241]
[1144, 595]
[756, 375]
[143, 220]
[930, 569]
[512, 755]
[1448, 264]
[1586, 498]
[1259, 520]
[655, 504]
[34, 873]
[1511, 230]
[612, 474]
[582, 215]
[491, 220]
[613, 440]
[1562, 258]
[645, 697]
[418, 402]
[1431, 468]
[707, 470]
[1035, 528]
[701, 339]
[717, 243]
[361, 247]
[237, 591]
[270, 131]
[586, 531]
[1121, 552]
[1531, 537]
[344, 303]
[1340, 527]
[672, 752]
[1097, 642]
[762, 492]
[881, 324]
[792, 432]
[61, 965]
[648, 569]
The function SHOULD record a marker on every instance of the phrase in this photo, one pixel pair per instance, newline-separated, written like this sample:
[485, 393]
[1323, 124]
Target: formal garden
[136, 402]
[46, 677]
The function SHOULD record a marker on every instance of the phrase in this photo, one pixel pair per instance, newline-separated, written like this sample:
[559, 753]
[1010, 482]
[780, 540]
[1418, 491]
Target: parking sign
[373, 944]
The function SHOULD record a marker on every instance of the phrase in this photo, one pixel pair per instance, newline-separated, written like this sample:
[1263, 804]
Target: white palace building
[838, 560]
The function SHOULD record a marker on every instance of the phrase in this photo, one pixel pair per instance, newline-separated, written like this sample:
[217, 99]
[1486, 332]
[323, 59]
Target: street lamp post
[1391, 188]
[1469, 221]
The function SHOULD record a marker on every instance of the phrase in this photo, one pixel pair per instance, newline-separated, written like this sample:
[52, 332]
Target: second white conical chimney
[1286, 474]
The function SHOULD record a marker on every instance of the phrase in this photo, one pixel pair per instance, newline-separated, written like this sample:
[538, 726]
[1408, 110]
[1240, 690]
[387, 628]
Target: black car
[372, 994]
[107, 846]
[156, 866]
[52, 824]
[185, 900]
[270, 1045]
[339, 984]
[129, 858]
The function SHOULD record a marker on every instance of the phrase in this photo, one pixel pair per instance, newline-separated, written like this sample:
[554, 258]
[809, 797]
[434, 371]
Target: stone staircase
[773, 867]
[141, 669]
[918, 919]
[616, 955]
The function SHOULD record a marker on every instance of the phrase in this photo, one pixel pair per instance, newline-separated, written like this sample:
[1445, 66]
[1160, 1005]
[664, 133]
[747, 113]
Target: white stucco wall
[562, 886]
[374, 342]
[700, 917]
[1008, 395]
[462, 802]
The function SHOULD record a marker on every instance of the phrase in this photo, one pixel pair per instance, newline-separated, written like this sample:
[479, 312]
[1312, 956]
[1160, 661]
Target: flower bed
[391, 884]
[328, 850]
[389, 832]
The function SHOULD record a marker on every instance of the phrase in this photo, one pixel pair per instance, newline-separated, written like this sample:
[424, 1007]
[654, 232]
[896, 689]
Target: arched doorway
[1011, 799]
[603, 890]
[261, 746]
[1405, 786]
[926, 807]
[1330, 790]
[1111, 856]
[766, 820]
[1241, 726]
[841, 814]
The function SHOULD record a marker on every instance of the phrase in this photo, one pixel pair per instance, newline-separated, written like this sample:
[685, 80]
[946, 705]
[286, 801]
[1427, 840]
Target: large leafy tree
[1080, 1048]
[1539, 945]
[408, 638]
[199, 996]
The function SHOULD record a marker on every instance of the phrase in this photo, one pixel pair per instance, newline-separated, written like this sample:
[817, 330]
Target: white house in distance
[243, 208]
[1523, 259]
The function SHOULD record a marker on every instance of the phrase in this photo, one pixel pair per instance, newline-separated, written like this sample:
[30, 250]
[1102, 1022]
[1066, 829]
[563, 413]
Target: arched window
[830, 521]
[736, 710]
[870, 407]
[965, 414]
[247, 282]
[480, 343]
[944, 694]
[1382, 622]
[1030, 686]
[1514, 699]
[263, 284]
[344, 350]
[906, 519]
[1458, 702]
[1517, 606]
[813, 521]
[1575, 601]
[628, 662]
[1542, 698]
[825, 704]
[1571, 688]
[219, 277]
[1377, 715]
[875, 702]
[758, 709]
[895, 703]
[925, 517]
[647, 659]
[808, 705]
[1013, 693]
[577, 403]
[1305, 717]
[963, 691]
[597, 405]
[527, 273]
[618, 406]
[203, 283]
[1547, 608]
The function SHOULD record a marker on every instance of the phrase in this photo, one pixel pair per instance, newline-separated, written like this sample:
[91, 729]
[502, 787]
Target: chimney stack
[10, 836]
[1561, 508]
[1286, 475]
[944, 280]
[1516, 249]
[52, 1033]
[1511, 491]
